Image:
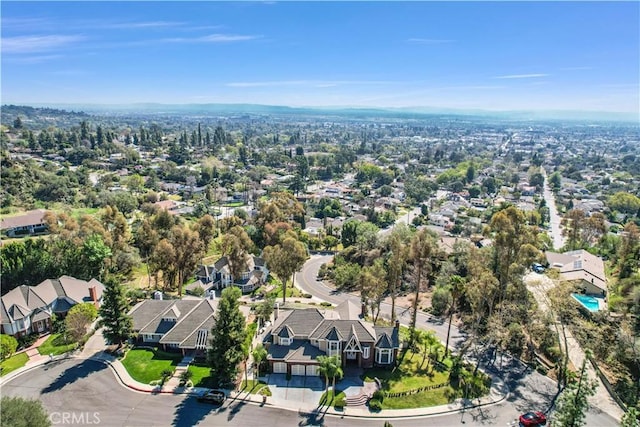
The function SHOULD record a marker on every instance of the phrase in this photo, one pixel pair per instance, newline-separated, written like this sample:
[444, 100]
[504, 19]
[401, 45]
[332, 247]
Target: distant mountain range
[356, 112]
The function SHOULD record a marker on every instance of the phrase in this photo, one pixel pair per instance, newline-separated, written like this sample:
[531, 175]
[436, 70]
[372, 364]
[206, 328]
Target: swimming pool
[588, 302]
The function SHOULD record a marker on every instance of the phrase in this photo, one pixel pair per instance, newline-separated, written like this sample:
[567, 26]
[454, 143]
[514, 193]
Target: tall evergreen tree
[117, 323]
[227, 336]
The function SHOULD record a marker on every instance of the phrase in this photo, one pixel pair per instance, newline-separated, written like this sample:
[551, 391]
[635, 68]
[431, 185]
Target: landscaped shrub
[166, 374]
[326, 304]
[340, 402]
[27, 340]
[378, 395]
[198, 291]
[307, 295]
[375, 405]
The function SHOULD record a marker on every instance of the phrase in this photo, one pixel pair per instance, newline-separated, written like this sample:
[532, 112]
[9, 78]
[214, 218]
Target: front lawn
[146, 365]
[14, 362]
[201, 375]
[328, 398]
[256, 387]
[414, 372]
[56, 344]
[437, 397]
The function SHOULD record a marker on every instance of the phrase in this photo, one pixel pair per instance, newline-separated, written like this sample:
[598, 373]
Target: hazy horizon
[476, 56]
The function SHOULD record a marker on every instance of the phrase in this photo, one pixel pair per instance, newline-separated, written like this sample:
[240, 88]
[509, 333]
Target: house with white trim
[220, 277]
[28, 309]
[299, 336]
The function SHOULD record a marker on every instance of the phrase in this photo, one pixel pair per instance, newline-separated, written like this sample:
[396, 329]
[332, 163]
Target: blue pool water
[588, 302]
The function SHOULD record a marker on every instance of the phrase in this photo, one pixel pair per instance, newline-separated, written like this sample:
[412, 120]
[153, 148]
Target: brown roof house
[583, 267]
[28, 309]
[29, 224]
[299, 336]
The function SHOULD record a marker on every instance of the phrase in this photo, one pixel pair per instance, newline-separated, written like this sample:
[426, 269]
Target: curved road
[308, 281]
[529, 390]
[88, 391]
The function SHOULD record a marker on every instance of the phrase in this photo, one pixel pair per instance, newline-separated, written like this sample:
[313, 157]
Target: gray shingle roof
[333, 335]
[156, 325]
[343, 327]
[302, 321]
[298, 351]
[190, 323]
[285, 332]
[387, 337]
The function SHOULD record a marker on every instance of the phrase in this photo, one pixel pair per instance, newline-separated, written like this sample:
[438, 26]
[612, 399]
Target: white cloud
[314, 83]
[522, 76]
[34, 59]
[429, 41]
[28, 44]
[143, 24]
[213, 38]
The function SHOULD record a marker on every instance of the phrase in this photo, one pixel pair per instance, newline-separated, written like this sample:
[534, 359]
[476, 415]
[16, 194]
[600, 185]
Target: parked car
[533, 419]
[217, 397]
[538, 268]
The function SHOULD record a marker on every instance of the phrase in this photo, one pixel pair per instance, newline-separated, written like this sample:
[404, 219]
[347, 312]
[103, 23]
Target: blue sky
[493, 56]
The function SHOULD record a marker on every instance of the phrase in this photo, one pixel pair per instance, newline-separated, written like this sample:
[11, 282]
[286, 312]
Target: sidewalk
[95, 346]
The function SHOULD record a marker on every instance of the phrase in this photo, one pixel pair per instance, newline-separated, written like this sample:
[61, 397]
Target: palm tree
[259, 355]
[339, 373]
[330, 367]
[325, 368]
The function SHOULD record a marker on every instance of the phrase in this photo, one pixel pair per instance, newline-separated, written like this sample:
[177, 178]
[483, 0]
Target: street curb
[13, 375]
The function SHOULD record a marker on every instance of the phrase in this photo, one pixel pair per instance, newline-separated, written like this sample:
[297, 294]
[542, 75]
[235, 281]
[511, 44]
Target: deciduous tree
[285, 259]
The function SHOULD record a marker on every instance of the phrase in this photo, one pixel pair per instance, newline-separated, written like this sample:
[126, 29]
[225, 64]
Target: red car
[533, 419]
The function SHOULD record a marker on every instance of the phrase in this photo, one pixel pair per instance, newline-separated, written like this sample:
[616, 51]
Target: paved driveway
[299, 388]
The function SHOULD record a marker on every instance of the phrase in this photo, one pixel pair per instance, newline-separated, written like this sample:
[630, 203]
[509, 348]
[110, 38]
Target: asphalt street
[88, 390]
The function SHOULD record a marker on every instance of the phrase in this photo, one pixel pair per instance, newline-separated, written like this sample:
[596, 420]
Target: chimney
[363, 310]
[397, 325]
[276, 312]
[93, 295]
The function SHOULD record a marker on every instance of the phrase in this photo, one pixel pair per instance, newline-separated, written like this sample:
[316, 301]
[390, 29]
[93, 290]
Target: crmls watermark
[74, 418]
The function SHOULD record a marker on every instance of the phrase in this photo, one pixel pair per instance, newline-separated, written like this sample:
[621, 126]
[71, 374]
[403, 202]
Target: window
[383, 356]
[365, 352]
[333, 347]
[285, 341]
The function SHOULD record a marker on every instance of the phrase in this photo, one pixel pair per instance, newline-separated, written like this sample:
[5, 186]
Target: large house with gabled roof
[176, 325]
[28, 309]
[299, 336]
[218, 275]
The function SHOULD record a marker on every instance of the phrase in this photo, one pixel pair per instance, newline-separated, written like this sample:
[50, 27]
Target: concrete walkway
[539, 285]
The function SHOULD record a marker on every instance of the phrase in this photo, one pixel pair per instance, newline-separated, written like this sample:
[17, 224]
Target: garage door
[312, 370]
[279, 368]
[298, 370]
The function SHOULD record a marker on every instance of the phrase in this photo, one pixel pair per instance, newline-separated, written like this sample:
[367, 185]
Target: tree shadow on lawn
[72, 374]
